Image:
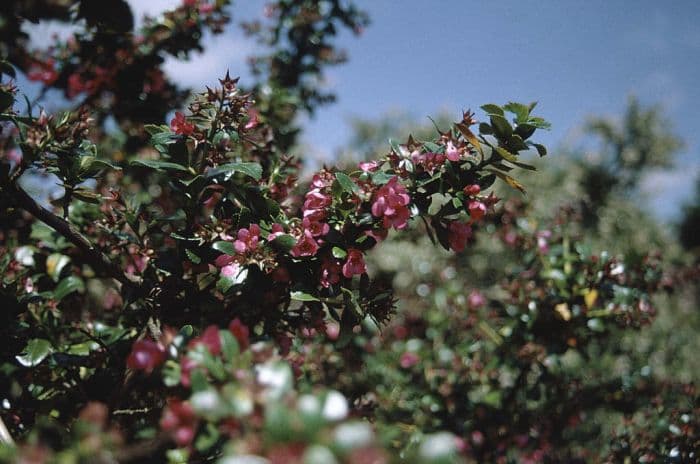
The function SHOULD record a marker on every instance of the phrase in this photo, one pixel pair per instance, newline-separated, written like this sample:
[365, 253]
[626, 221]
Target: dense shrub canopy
[188, 298]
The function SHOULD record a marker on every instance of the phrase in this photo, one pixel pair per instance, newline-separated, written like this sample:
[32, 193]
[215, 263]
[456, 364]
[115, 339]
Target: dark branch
[98, 260]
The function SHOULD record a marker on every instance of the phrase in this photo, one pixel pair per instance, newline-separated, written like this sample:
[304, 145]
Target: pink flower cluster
[179, 125]
[248, 239]
[355, 263]
[180, 421]
[428, 161]
[314, 215]
[211, 339]
[391, 203]
[43, 71]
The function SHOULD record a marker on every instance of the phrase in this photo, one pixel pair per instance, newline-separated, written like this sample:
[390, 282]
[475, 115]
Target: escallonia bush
[183, 299]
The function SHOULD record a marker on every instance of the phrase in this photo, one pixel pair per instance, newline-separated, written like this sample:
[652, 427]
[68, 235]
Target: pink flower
[391, 203]
[315, 215]
[316, 228]
[43, 71]
[369, 166]
[476, 210]
[208, 8]
[322, 179]
[330, 272]
[179, 124]
[252, 112]
[241, 332]
[75, 85]
[14, 156]
[230, 270]
[247, 239]
[180, 421]
[476, 299]
[355, 263]
[209, 338]
[543, 237]
[452, 152]
[408, 360]
[458, 234]
[305, 246]
[316, 200]
[275, 232]
[186, 367]
[146, 355]
[473, 189]
[429, 161]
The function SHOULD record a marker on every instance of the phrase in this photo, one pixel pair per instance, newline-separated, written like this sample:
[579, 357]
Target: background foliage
[188, 298]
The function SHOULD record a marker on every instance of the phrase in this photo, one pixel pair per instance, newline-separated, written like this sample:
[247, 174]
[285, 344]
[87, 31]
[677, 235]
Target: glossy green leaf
[284, 242]
[338, 252]
[301, 296]
[55, 264]
[225, 247]
[490, 108]
[160, 165]
[501, 126]
[253, 170]
[505, 154]
[521, 112]
[35, 352]
[67, 286]
[347, 184]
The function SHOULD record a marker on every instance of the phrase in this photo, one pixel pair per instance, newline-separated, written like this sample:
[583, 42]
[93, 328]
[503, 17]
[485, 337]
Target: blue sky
[577, 58]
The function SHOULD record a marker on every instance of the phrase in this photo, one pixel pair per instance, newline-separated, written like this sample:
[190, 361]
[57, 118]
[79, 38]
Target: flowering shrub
[181, 301]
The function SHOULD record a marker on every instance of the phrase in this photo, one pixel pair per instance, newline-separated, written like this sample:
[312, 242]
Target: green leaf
[229, 345]
[525, 131]
[516, 143]
[490, 108]
[506, 155]
[347, 183]
[55, 264]
[338, 253]
[87, 196]
[160, 165]
[469, 135]
[541, 149]
[192, 256]
[395, 146]
[35, 352]
[153, 129]
[224, 283]
[171, 373]
[485, 129]
[509, 180]
[432, 147]
[596, 325]
[521, 112]
[381, 177]
[301, 296]
[438, 200]
[529, 167]
[501, 126]
[7, 69]
[253, 170]
[225, 247]
[67, 286]
[539, 123]
[284, 242]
